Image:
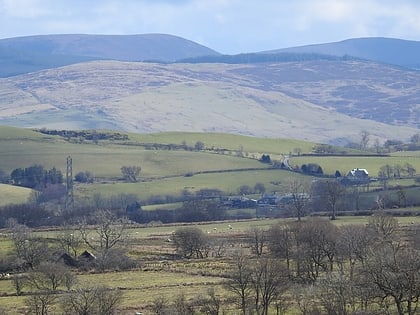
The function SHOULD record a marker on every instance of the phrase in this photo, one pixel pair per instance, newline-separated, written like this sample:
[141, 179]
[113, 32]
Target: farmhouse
[356, 176]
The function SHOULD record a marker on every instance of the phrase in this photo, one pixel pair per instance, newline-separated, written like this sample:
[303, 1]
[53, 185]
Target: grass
[190, 277]
[13, 194]
[228, 182]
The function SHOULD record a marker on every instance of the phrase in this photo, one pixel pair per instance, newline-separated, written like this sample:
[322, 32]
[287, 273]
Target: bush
[84, 177]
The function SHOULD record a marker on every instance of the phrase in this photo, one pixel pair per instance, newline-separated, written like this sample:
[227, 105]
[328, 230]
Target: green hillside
[170, 164]
[13, 195]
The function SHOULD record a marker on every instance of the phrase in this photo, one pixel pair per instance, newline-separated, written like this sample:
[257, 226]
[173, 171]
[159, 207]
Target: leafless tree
[19, 282]
[409, 169]
[353, 243]
[282, 241]
[240, 281]
[299, 190]
[383, 226]
[70, 241]
[160, 305]
[364, 139]
[210, 303]
[270, 279]
[336, 293]
[30, 250]
[91, 301]
[330, 193]
[317, 247]
[395, 272]
[109, 231]
[131, 173]
[48, 276]
[191, 242]
[258, 239]
[182, 306]
[41, 303]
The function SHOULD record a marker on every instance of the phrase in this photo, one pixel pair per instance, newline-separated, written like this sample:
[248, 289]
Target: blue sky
[228, 26]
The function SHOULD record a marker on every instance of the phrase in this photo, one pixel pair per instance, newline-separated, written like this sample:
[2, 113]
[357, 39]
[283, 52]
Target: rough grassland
[13, 195]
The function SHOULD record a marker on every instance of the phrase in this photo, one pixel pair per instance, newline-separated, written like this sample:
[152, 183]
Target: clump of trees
[36, 176]
[312, 169]
[131, 173]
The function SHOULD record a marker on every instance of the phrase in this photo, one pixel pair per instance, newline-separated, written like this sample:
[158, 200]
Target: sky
[227, 26]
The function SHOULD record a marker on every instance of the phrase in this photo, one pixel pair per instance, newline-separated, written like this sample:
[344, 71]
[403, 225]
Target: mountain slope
[294, 100]
[27, 54]
[394, 51]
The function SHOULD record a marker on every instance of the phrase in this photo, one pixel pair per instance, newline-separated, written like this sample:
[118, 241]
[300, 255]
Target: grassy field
[152, 279]
[13, 195]
[228, 182]
[162, 171]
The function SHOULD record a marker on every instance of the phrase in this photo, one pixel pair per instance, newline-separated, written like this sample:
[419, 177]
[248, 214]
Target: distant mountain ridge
[326, 92]
[32, 53]
[21, 55]
[393, 51]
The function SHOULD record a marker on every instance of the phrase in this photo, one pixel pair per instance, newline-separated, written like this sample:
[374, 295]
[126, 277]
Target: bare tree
[282, 241]
[131, 173]
[91, 300]
[19, 281]
[395, 272]
[331, 195]
[335, 292]
[299, 191]
[258, 238]
[48, 276]
[69, 242]
[270, 280]
[240, 281]
[107, 238]
[30, 250]
[160, 305]
[353, 243]
[41, 303]
[191, 242]
[317, 247]
[182, 306]
[210, 304]
[383, 226]
[109, 232]
[364, 139]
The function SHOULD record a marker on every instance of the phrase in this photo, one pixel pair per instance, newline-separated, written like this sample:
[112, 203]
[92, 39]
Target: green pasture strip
[406, 154]
[9, 133]
[13, 194]
[142, 287]
[226, 141]
[165, 206]
[6, 245]
[274, 180]
[6, 287]
[344, 164]
[106, 161]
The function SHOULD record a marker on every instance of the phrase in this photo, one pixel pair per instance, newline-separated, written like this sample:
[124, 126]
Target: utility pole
[69, 184]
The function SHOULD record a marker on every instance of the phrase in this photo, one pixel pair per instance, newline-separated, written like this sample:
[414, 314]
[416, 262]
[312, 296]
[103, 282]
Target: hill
[322, 101]
[393, 51]
[28, 54]
[13, 194]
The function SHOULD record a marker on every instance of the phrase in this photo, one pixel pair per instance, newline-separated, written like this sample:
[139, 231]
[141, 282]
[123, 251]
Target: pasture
[158, 275]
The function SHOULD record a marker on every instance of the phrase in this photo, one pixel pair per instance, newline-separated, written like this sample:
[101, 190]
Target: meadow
[226, 162]
[160, 276]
